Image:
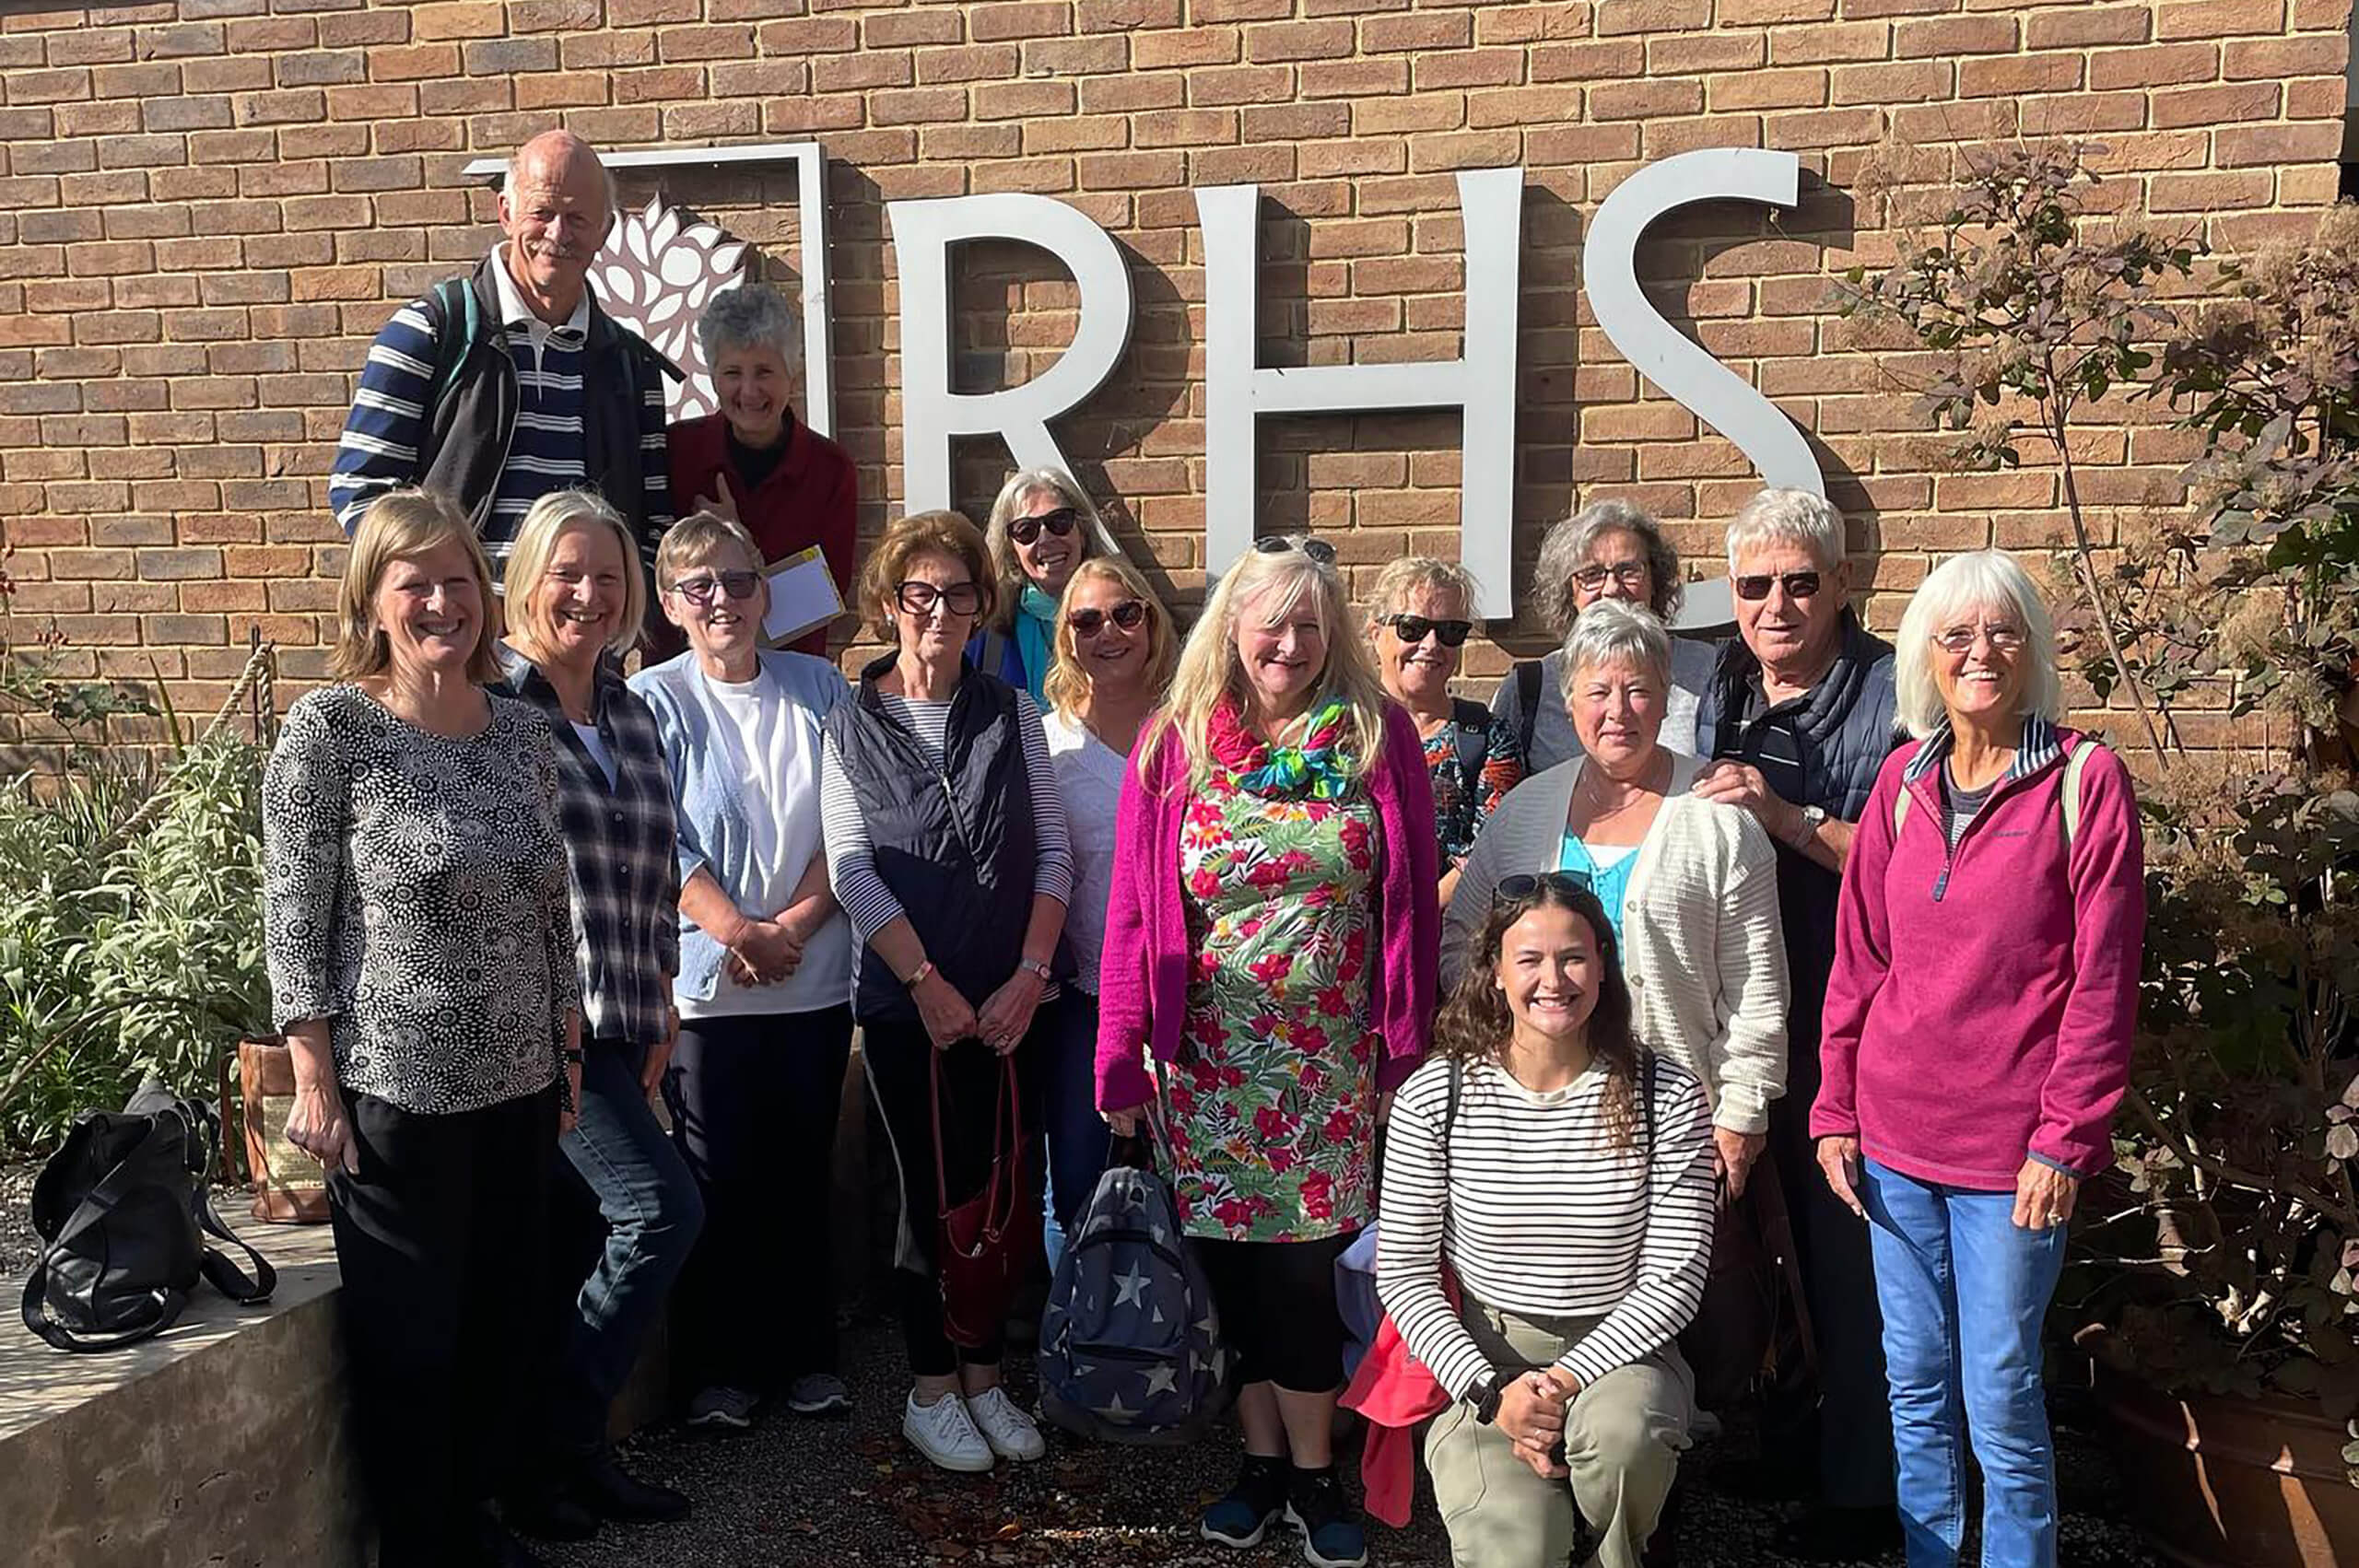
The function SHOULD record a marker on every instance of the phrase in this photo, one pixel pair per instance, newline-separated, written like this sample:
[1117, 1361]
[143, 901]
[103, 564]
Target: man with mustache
[498, 388]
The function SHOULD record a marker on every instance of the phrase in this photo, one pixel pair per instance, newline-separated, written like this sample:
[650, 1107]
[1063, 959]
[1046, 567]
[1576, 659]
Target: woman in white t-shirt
[765, 985]
[1112, 656]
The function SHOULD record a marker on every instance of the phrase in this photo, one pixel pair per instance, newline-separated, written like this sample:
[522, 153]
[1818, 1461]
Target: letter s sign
[1707, 388]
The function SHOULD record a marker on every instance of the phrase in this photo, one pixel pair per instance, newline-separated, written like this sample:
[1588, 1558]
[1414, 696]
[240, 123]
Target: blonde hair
[1089, 534]
[402, 525]
[1209, 670]
[1406, 575]
[1067, 684]
[535, 546]
[948, 533]
[696, 539]
[1985, 579]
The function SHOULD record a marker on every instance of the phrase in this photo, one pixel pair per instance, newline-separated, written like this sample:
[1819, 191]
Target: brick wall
[207, 206]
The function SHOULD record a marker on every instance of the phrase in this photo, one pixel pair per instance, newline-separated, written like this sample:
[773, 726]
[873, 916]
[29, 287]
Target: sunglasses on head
[919, 598]
[1516, 889]
[1413, 628]
[699, 590]
[1318, 550]
[1797, 585]
[1025, 529]
[1090, 621]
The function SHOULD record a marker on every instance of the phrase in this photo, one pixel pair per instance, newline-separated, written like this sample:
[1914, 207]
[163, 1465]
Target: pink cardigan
[1143, 980]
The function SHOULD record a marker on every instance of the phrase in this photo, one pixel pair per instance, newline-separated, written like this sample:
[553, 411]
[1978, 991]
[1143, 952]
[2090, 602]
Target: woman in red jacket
[1977, 1041]
[754, 462]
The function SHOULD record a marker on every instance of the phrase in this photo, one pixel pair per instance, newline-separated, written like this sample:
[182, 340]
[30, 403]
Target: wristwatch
[1811, 818]
[1035, 967]
[1484, 1397]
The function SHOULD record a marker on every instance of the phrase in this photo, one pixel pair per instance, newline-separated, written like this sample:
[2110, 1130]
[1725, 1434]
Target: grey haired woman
[1041, 527]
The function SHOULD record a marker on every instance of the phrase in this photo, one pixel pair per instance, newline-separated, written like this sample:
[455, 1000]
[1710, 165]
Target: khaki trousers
[1623, 1439]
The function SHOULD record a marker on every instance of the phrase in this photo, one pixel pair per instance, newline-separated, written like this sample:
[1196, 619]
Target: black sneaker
[1840, 1535]
[1331, 1537]
[1243, 1517]
[601, 1486]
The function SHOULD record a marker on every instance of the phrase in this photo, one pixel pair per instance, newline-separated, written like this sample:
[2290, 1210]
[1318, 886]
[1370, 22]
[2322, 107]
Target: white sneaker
[943, 1433]
[1009, 1431]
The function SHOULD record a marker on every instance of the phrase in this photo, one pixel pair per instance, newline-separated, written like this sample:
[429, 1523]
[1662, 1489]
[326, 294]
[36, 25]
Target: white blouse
[1089, 777]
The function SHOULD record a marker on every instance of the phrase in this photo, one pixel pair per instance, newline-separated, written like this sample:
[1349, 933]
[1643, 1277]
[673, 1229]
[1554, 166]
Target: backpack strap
[1473, 721]
[2074, 765]
[216, 1266]
[104, 1195]
[454, 302]
[1527, 697]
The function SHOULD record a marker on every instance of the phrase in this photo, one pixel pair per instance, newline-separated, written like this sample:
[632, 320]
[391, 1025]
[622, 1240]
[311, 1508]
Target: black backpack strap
[1473, 721]
[221, 1271]
[453, 302]
[1527, 697]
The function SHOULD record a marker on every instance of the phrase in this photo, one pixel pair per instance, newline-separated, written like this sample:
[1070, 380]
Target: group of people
[1558, 989]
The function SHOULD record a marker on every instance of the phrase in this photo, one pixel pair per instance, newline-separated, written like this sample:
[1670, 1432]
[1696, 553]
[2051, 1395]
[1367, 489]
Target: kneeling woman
[1578, 1218]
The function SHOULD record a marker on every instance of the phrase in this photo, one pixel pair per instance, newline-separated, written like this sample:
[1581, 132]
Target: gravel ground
[19, 1243]
[804, 1494]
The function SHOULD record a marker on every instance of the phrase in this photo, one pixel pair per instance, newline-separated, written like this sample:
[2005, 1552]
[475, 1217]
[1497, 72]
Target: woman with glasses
[1041, 527]
[946, 846]
[1608, 550]
[1419, 617]
[1114, 652]
[764, 987]
[1978, 1022]
[1689, 887]
[1563, 1173]
[1268, 973]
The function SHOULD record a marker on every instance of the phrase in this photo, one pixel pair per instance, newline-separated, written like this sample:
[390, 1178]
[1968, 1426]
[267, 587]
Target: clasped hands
[767, 952]
[1532, 1414]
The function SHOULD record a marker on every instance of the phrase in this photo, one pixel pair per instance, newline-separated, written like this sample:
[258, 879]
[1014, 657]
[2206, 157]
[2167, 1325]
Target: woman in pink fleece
[1977, 1033]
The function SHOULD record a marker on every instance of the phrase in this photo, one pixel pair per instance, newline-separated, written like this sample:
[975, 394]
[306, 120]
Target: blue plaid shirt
[621, 854]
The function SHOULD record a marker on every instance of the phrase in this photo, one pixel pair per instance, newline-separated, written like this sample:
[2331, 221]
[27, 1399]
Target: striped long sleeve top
[1538, 1213]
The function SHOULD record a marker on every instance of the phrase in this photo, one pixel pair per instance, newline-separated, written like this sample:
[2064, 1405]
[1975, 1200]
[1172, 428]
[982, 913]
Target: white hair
[1987, 582]
[1613, 631]
[753, 315]
[1793, 515]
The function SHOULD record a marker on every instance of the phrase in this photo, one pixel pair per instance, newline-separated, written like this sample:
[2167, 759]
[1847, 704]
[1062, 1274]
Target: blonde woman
[1042, 527]
[576, 599]
[421, 966]
[1270, 945]
[1115, 647]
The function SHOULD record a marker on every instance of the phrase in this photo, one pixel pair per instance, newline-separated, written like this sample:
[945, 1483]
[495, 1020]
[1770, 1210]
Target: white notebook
[803, 596]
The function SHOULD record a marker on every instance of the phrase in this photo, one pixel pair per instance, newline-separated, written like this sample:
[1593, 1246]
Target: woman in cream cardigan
[1690, 886]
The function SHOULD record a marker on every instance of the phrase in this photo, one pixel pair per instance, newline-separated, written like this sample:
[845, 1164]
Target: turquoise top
[1611, 883]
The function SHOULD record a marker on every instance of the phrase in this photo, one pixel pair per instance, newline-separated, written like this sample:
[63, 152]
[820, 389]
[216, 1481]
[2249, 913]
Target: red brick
[2154, 64]
[1018, 18]
[1645, 101]
[2219, 19]
[2018, 76]
[2319, 54]
[1331, 39]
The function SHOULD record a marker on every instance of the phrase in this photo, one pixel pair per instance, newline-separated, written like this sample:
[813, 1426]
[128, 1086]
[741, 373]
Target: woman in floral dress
[1269, 959]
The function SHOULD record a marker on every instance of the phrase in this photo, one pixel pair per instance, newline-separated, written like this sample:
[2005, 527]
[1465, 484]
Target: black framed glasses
[1414, 629]
[699, 590]
[1061, 521]
[1317, 549]
[1522, 885]
[917, 598]
[1629, 574]
[1756, 586]
[1961, 639]
[1090, 621]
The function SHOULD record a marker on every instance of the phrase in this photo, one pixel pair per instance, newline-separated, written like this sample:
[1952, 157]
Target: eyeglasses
[1089, 623]
[1025, 529]
[699, 590]
[1629, 574]
[1516, 889]
[1961, 639]
[1318, 550]
[1797, 585]
[919, 598]
[1413, 628]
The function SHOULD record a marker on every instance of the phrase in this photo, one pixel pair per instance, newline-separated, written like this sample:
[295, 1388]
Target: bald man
[498, 388]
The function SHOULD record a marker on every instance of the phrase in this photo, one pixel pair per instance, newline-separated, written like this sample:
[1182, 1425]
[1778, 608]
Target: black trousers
[440, 1239]
[754, 1103]
[1277, 1308]
[900, 1057]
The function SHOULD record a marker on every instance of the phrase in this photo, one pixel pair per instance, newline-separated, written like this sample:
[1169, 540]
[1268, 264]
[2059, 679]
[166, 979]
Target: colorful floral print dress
[1273, 1089]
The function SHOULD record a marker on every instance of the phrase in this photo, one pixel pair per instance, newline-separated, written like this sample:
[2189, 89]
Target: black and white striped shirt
[1539, 1214]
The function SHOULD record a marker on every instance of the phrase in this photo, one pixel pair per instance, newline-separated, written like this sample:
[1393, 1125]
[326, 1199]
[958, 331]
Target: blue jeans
[652, 1212]
[1078, 1136]
[1964, 1289]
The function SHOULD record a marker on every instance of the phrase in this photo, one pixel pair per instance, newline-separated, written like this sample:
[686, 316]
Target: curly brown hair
[1476, 1026]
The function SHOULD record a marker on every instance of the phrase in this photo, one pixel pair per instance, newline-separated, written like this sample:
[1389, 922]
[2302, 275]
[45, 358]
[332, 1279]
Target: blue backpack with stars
[1130, 1344]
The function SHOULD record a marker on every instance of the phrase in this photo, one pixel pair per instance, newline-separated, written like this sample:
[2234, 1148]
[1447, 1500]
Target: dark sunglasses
[1279, 543]
[1797, 585]
[1516, 889]
[919, 598]
[1089, 623]
[1025, 529]
[699, 590]
[1413, 628]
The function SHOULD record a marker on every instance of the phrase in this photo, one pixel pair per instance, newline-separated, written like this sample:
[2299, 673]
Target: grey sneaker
[721, 1406]
[818, 1394]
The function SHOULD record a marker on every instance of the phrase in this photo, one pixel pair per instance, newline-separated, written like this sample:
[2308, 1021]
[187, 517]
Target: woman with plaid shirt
[575, 600]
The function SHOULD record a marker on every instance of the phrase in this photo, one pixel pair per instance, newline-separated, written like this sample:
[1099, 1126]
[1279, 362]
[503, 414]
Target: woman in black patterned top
[420, 946]
[575, 598]
[1419, 618]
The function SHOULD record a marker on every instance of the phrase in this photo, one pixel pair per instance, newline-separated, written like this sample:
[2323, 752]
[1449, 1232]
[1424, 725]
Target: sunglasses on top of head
[1317, 549]
[1516, 889]
[1090, 621]
[700, 589]
[1025, 529]
[1797, 585]
[1413, 628]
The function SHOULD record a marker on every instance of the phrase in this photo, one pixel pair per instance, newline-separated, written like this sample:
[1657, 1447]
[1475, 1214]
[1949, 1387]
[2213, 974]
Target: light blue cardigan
[710, 808]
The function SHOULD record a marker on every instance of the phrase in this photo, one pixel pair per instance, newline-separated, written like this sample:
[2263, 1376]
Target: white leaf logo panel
[655, 275]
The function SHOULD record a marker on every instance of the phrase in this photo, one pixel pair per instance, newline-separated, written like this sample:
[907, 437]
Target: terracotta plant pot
[2231, 1482]
[287, 1185]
